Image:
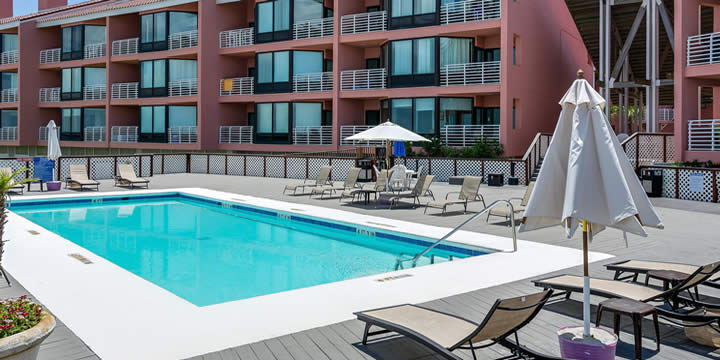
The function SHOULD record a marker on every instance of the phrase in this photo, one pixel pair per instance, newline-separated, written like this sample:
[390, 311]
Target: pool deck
[689, 237]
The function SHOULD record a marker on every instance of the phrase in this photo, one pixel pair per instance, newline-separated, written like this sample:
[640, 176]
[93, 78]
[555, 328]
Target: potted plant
[23, 326]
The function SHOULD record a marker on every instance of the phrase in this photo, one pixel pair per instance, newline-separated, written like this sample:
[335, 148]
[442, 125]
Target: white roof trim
[10, 25]
[113, 12]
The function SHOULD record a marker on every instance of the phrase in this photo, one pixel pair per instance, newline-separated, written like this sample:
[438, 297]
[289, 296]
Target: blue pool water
[208, 252]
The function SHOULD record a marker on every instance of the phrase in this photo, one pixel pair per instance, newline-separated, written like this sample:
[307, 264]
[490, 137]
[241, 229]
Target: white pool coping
[122, 316]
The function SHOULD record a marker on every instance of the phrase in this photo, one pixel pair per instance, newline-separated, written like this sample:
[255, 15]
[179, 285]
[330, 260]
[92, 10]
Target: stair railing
[535, 153]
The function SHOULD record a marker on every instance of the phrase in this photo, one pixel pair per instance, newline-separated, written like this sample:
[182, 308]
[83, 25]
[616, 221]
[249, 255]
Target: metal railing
[49, 56]
[95, 92]
[470, 74]
[9, 57]
[666, 114]
[9, 95]
[643, 149]
[237, 86]
[124, 90]
[704, 135]
[313, 82]
[236, 135]
[48, 95]
[363, 23]
[182, 135]
[183, 40]
[350, 130]
[312, 135]
[703, 49]
[124, 134]
[186, 87]
[125, 47]
[94, 51]
[94, 134]
[8, 133]
[365, 79]
[469, 135]
[315, 28]
[237, 38]
[469, 11]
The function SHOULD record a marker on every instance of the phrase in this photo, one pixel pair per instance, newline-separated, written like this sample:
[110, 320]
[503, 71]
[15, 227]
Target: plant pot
[53, 185]
[25, 345]
[600, 346]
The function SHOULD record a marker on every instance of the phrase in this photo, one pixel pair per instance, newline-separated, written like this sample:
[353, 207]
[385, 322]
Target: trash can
[496, 179]
[513, 181]
[366, 170]
[652, 181]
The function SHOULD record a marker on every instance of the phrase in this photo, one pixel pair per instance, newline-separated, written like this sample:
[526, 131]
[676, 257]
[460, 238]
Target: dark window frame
[3, 112]
[153, 137]
[72, 95]
[279, 87]
[157, 45]
[274, 138]
[146, 92]
[2, 41]
[73, 54]
[413, 21]
[274, 35]
[72, 136]
[436, 120]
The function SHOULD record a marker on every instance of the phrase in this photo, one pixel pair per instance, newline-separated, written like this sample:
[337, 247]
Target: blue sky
[22, 7]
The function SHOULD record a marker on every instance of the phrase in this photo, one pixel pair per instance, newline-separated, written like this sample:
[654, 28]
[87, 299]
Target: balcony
[182, 135]
[8, 133]
[469, 11]
[350, 130]
[236, 135]
[94, 134]
[312, 135]
[49, 95]
[237, 38]
[124, 90]
[704, 135]
[183, 40]
[363, 23]
[9, 57]
[469, 135]
[125, 47]
[666, 114]
[9, 95]
[95, 92]
[311, 29]
[50, 56]
[366, 79]
[237, 86]
[186, 87]
[43, 133]
[124, 134]
[313, 82]
[703, 49]
[94, 51]
[470, 74]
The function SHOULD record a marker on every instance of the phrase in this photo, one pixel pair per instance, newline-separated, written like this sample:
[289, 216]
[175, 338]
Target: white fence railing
[94, 51]
[236, 135]
[124, 91]
[313, 82]
[8, 133]
[468, 135]
[9, 57]
[470, 10]
[237, 38]
[186, 87]
[704, 135]
[666, 114]
[95, 92]
[49, 56]
[312, 135]
[124, 134]
[703, 49]
[470, 74]
[350, 130]
[366, 79]
[315, 28]
[182, 135]
[237, 86]
[94, 134]
[9, 95]
[183, 40]
[363, 23]
[48, 95]
[125, 47]
[43, 133]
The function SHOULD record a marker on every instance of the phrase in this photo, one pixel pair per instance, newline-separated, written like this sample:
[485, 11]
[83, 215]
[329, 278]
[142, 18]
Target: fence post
[307, 168]
[162, 164]
[527, 171]
[714, 186]
[208, 164]
[88, 168]
[482, 169]
[664, 148]
[226, 164]
[429, 166]
[59, 161]
[27, 170]
[187, 163]
[455, 167]
[152, 165]
[245, 165]
[677, 183]
[115, 167]
[264, 166]
[285, 167]
[637, 152]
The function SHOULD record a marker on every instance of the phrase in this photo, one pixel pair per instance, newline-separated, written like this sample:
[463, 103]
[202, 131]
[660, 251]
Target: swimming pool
[208, 251]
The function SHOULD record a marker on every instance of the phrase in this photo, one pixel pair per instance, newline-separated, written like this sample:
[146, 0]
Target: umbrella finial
[580, 74]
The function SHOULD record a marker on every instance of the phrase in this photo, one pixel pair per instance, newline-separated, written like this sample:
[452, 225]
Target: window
[153, 78]
[307, 114]
[413, 62]
[273, 123]
[8, 42]
[488, 115]
[182, 69]
[372, 63]
[9, 80]
[455, 51]
[181, 22]
[372, 117]
[415, 114]
[484, 55]
[72, 80]
[182, 116]
[306, 62]
[72, 42]
[272, 21]
[456, 111]
[8, 118]
[93, 117]
[71, 124]
[514, 112]
[94, 34]
[516, 41]
[94, 76]
[413, 13]
[153, 124]
[156, 27]
[274, 69]
[308, 10]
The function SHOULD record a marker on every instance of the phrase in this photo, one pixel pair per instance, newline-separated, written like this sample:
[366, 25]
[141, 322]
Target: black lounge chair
[631, 269]
[443, 333]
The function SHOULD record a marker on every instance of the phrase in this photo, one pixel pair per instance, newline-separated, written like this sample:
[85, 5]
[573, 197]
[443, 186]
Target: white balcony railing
[470, 74]
[313, 82]
[666, 114]
[704, 135]
[183, 40]
[124, 91]
[49, 95]
[182, 135]
[9, 57]
[95, 92]
[49, 56]
[468, 11]
[43, 133]
[125, 47]
[703, 49]
[315, 28]
[186, 87]
[237, 38]
[94, 134]
[8, 133]
[237, 86]
[9, 95]
[363, 23]
[94, 51]
[236, 135]
[124, 134]
[312, 135]
[366, 79]
[350, 130]
[468, 135]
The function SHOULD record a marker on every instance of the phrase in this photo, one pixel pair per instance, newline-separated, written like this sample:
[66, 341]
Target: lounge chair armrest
[515, 199]
[452, 192]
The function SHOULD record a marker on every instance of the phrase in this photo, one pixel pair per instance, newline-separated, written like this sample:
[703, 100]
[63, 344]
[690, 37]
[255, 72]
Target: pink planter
[570, 349]
[53, 185]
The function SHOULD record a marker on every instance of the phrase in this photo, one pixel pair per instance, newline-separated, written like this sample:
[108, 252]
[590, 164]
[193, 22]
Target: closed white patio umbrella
[53, 152]
[387, 132]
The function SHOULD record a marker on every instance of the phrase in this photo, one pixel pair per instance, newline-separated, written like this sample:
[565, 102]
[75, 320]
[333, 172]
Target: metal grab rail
[398, 264]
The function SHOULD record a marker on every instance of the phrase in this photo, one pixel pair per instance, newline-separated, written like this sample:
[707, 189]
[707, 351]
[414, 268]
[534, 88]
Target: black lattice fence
[697, 184]
[105, 167]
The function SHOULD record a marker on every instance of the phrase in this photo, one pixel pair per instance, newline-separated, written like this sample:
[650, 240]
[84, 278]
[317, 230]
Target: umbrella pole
[586, 283]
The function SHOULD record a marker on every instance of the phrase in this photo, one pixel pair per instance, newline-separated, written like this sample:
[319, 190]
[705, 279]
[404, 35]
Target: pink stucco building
[283, 75]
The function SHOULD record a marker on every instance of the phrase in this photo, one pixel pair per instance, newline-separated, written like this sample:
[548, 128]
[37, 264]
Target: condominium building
[283, 75]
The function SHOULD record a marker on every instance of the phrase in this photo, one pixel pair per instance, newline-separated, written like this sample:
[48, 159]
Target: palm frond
[7, 180]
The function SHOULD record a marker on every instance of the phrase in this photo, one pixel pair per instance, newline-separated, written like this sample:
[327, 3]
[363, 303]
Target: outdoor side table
[636, 311]
[670, 278]
[366, 194]
[35, 182]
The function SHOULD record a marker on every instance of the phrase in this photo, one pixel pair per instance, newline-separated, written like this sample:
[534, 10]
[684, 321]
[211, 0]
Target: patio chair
[350, 184]
[79, 179]
[128, 178]
[398, 178]
[470, 191]
[322, 179]
[504, 211]
[420, 188]
[16, 187]
[637, 267]
[443, 333]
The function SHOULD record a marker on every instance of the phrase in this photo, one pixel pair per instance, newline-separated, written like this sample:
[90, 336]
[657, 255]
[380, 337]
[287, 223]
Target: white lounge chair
[128, 178]
[322, 179]
[79, 179]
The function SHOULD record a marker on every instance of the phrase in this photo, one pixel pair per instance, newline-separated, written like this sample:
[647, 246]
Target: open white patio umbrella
[53, 152]
[387, 132]
[587, 179]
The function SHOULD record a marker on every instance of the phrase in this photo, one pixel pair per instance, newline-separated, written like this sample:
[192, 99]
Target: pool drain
[80, 258]
[391, 278]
